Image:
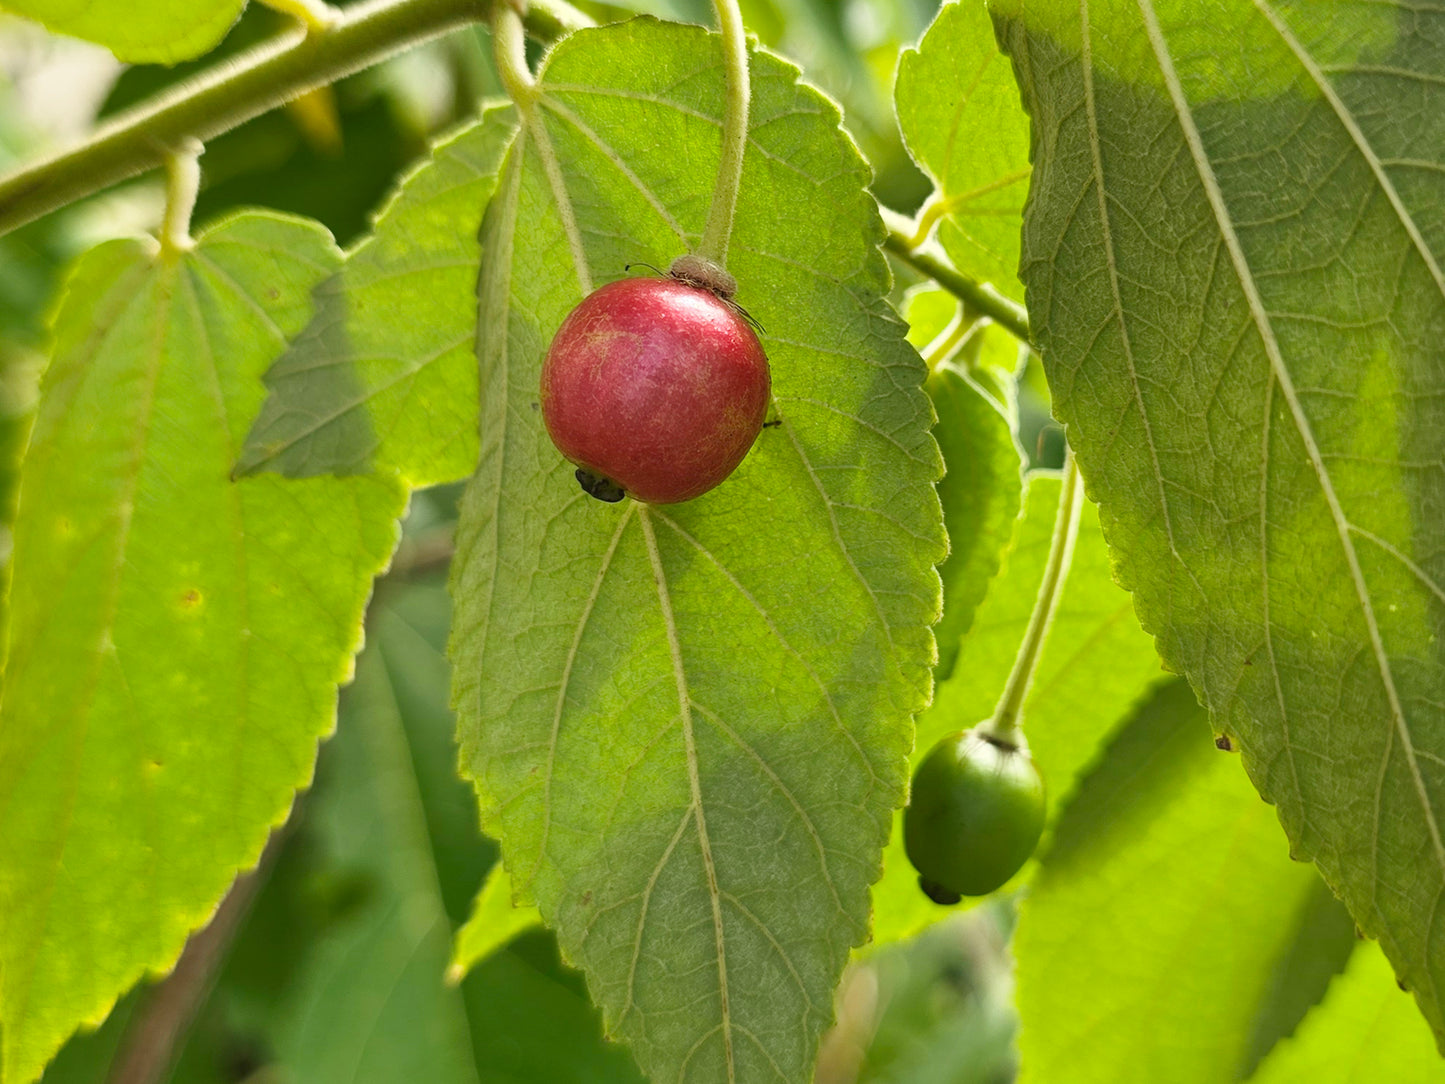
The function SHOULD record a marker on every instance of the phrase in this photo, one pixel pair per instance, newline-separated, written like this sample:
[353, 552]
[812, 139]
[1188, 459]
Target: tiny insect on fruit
[974, 816]
[656, 387]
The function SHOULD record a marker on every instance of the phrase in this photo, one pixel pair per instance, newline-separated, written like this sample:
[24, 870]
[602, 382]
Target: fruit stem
[1005, 727]
[719, 228]
[183, 182]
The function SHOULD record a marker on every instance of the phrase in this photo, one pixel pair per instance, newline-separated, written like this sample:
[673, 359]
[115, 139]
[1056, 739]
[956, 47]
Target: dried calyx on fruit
[656, 387]
[974, 816]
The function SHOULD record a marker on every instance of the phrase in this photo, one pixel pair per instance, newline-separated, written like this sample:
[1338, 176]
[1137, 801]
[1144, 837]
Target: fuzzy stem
[1006, 725]
[509, 48]
[946, 341]
[719, 228]
[234, 91]
[183, 182]
[933, 210]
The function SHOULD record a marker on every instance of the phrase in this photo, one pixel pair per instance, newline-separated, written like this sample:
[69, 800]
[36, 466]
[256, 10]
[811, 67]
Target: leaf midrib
[694, 782]
[1260, 318]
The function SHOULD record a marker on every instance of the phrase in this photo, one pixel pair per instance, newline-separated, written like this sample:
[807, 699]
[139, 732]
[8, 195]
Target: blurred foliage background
[327, 964]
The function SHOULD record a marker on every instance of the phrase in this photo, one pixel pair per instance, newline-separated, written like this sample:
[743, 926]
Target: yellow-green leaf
[176, 638]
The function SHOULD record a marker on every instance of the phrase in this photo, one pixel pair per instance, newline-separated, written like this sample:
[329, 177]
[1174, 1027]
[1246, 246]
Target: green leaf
[335, 977]
[688, 724]
[384, 378]
[1365, 1031]
[1147, 941]
[1094, 667]
[1233, 257]
[1319, 948]
[959, 110]
[495, 920]
[367, 1002]
[138, 31]
[981, 493]
[177, 638]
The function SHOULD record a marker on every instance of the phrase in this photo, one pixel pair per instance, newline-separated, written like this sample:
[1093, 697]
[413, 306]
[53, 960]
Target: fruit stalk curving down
[974, 816]
[656, 387]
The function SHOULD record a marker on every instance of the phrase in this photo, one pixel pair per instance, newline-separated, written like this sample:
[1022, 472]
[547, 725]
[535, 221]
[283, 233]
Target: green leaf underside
[494, 921]
[1318, 949]
[384, 377]
[688, 724]
[1364, 1031]
[177, 638]
[138, 31]
[1240, 305]
[1148, 939]
[958, 108]
[367, 1002]
[1094, 668]
[981, 493]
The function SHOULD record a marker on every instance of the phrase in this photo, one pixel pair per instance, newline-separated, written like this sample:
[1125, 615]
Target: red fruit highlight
[657, 386]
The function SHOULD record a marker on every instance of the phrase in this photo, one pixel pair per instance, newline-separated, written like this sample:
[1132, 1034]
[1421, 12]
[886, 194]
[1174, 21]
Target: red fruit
[657, 386]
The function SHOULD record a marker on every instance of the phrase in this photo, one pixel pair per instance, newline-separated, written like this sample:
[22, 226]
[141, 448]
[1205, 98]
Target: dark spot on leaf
[191, 599]
[1223, 744]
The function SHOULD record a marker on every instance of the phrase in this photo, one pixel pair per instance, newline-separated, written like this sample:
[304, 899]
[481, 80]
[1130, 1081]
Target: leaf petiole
[719, 228]
[183, 182]
[947, 341]
[509, 48]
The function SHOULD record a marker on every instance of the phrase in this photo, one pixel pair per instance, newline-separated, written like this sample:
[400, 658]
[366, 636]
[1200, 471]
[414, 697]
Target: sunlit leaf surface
[138, 31]
[176, 637]
[1147, 941]
[958, 107]
[384, 377]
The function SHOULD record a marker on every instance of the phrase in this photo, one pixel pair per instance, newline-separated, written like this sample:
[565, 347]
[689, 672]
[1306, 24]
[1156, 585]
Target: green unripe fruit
[974, 816]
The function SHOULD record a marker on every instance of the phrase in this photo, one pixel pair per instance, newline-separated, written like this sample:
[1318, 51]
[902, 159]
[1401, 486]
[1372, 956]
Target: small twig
[235, 90]
[985, 300]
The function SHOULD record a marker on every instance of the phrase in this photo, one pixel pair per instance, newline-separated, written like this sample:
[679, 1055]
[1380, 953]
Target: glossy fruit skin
[656, 385]
[974, 816]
